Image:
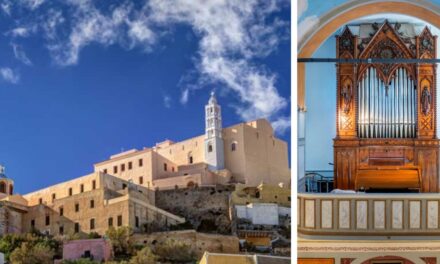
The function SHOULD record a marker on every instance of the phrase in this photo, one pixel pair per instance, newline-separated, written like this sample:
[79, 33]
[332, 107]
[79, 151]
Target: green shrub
[32, 254]
[144, 256]
[120, 240]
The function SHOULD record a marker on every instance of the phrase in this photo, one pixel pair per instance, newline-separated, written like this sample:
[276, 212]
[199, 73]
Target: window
[92, 203]
[33, 223]
[2, 187]
[288, 198]
[92, 223]
[76, 227]
[93, 185]
[122, 167]
[233, 146]
[40, 201]
[77, 207]
[130, 165]
[47, 220]
[209, 148]
[141, 180]
[165, 167]
[136, 221]
[11, 189]
[141, 162]
[53, 197]
[115, 169]
[119, 220]
[61, 211]
[124, 186]
[110, 222]
[105, 171]
[70, 191]
[81, 188]
[190, 160]
[257, 135]
[276, 197]
[61, 230]
[172, 169]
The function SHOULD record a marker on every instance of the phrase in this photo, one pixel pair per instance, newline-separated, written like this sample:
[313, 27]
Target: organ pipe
[386, 110]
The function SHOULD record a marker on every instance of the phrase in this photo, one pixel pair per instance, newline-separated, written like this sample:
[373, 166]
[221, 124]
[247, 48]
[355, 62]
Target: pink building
[97, 249]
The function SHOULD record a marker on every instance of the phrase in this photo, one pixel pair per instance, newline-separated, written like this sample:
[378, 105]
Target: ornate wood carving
[347, 93]
[347, 260]
[412, 157]
[429, 260]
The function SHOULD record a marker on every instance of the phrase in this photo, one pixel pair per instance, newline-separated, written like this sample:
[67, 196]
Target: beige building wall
[179, 153]
[141, 171]
[62, 190]
[258, 157]
[113, 198]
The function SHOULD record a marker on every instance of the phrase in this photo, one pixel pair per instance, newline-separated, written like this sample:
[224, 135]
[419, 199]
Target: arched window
[233, 146]
[11, 189]
[209, 148]
[2, 187]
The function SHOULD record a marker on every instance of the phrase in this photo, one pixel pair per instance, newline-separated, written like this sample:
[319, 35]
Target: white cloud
[50, 23]
[20, 54]
[167, 101]
[232, 34]
[281, 124]
[21, 31]
[6, 7]
[32, 4]
[123, 25]
[184, 96]
[9, 75]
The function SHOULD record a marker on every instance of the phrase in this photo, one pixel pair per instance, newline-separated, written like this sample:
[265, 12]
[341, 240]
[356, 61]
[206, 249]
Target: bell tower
[214, 150]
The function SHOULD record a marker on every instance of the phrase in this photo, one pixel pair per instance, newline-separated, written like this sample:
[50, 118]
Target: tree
[120, 239]
[144, 256]
[10, 242]
[32, 254]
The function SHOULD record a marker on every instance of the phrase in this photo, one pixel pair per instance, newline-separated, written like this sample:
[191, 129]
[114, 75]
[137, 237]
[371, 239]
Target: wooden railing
[369, 214]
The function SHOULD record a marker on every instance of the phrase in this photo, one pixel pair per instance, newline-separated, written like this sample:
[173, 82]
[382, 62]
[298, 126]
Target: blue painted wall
[321, 108]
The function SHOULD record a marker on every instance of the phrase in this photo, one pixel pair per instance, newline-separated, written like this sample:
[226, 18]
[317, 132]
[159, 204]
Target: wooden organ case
[386, 113]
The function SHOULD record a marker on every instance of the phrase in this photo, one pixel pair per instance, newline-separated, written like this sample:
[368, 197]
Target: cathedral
[121, 190]
[368, 141]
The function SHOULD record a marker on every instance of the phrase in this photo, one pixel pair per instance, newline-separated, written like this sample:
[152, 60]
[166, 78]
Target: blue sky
[81, 80]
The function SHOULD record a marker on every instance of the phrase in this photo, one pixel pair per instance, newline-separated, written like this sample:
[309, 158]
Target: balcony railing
[318, 181]
[369, 214]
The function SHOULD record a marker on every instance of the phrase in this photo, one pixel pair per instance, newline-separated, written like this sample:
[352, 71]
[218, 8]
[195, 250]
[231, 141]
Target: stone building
[247, 153]
[121, 190]
[92, 203]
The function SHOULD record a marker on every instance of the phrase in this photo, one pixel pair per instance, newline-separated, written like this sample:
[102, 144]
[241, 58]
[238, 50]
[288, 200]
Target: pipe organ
[386, 119]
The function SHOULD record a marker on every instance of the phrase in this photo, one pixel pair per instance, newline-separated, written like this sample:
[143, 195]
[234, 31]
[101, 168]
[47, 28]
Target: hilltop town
[220, 196]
